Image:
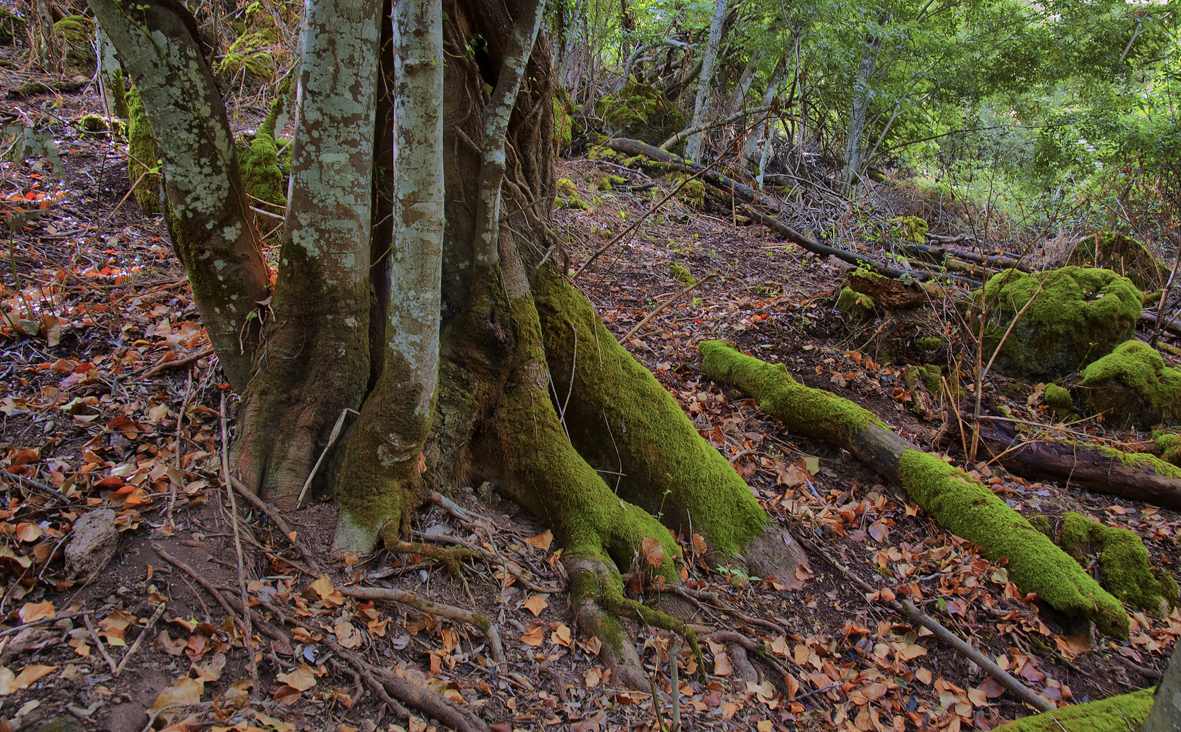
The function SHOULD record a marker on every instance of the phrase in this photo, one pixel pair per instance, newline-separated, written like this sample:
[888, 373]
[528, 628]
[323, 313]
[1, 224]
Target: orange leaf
[535, 605]
[542, 541]
[33, 611]
[653, 552]
[534, 636]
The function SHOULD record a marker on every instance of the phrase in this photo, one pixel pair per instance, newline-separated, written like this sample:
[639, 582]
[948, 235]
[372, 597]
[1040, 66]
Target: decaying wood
[1083, 465]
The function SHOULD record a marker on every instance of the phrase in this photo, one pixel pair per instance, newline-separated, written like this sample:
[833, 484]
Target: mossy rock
[886, 291]
[682, 274]
[569, 192]
[12, 27]
[1078, 316]
[1124, 563]
[251, 51]
[930, 344]
[608, 182]
[1123, 713]
[910, 228]
[1121, 254]
[1059, 400]
[1132, 386]
[76, 31]
[261, 174]
[692, 193]
[96, 124]
[1169, 445]
[641, 112]
[855, 304]
[932, 378]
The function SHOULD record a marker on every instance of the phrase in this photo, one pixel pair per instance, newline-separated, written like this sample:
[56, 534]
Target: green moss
[1140, 368]
[77, 31]
[569, 190]
[1042, 524]
[261, 174]
[970, 510]
[564, 124]
[911, 228]
[1078, 316]
[929, 344]
[682, 274]
[1058, 398]
[141, 146]
[932, 378]
[1123, 560]
[608, 182]
[1124, 713]
[623, 421]
[1169, 444]
[1142, 461]
[1121, 254]
[97, 124]
[813, 412]
[602, 152]
[854, 303]
[12, 27]
[641, 112]
[250, 51]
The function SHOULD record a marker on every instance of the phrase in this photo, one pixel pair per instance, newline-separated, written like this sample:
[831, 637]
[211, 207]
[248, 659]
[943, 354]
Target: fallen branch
[178, 363]
[477, 621]
[906, 607]
[248, 641]
[1135, 476]
[143, 634]
[958, 502]
[206, 584]
[273, 515]
[102, 648]
[665, 304]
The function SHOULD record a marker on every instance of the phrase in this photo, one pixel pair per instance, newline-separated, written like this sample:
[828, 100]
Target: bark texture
[708, 59]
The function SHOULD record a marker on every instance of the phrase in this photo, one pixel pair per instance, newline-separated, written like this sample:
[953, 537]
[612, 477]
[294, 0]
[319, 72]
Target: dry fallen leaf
[33, 611]
[722, 665]
[534, 636]
[653, 552]
[542, 541]
[561, 636]
[347, 635]
[183, 691]
[211, 671]
[535, 605]
[301, 679]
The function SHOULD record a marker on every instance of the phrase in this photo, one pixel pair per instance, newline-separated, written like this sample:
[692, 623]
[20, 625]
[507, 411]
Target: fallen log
[960, 504]
[1135, 476]
[725, 183]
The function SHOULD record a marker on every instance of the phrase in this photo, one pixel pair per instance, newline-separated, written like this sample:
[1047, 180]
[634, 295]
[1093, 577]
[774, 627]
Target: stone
[92, 545]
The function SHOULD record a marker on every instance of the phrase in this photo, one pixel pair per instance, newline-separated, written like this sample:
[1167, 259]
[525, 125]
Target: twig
[331, 441]
[674, 670]
[719, 603]
[143, 634]
[906, 607]
[477, 621]
[493, 557]
[661, 308]
[156, 714]
[38, 486]
[178, 363]
[361, 669]
[274, 516]
[248, 641]
[43, 621]
[199, 579]
[102, 648]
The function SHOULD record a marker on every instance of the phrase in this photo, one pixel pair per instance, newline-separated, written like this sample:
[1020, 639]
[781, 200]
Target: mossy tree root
[1114, 714]
[959, 503]
[1123, 561]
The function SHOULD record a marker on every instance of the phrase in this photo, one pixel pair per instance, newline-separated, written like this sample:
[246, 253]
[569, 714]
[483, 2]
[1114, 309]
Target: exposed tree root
[958, 502]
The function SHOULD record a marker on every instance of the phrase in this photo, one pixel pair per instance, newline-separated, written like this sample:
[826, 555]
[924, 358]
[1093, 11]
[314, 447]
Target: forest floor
[111, 400]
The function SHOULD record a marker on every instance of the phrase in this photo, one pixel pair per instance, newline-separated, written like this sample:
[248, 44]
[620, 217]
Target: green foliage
[911, 228]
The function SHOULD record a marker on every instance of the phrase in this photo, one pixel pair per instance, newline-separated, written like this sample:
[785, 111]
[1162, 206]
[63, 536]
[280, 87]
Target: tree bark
[766, 133]
[1166, 710]
[209, 220]
[958, 502]
[701, 105]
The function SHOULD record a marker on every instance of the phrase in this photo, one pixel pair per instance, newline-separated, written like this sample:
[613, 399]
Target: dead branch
[274, 516]
[206, 584]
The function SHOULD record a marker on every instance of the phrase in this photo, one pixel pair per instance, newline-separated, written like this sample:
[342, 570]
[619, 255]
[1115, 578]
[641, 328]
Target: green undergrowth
[911, 228]
[1078, 315]
[967, 508]
[640, 111]
[1123, 713]
[1139, 367]
[1123, 560]
[622, 420]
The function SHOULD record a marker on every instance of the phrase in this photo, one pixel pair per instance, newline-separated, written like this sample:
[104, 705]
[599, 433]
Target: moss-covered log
[1135, 476]
[1124, 562]
[958, 502]
[1123, 713]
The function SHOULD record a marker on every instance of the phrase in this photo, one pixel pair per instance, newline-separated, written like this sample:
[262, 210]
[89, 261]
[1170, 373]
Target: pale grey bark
[496, 119]
[752, 140]
[1166, 710]
[742, 89]
[859, 116]
[110, 74]
[701, 105]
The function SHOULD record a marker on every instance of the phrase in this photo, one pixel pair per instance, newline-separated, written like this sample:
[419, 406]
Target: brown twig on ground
[178, 363]
[906, 607]
[497, 559]
[664, 305]
[206, 584]
[248, 641]
[720, 604]
[750, 645]
[102, 648]
[274, 516]
[477, 621]
[361, 671]
[143, 634]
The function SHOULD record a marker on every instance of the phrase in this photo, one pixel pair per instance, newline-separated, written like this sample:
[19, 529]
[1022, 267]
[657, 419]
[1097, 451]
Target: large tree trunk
[447, 356]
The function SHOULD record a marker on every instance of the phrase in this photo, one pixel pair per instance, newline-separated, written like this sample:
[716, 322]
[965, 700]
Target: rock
[1121, 254]
[1058, 399]
[855, 304]
[93, 544]
[1132, 386]
[641, 112]
[1078, 315]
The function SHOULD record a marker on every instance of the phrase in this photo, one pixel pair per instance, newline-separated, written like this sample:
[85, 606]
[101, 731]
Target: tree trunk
[1166, 710]
[742, 88]
[465, 361]
[765, 132]
[859, 116]
[958, 502]
[701, 105]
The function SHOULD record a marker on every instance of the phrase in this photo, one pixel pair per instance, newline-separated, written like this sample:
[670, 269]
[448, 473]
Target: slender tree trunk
[859, 117]
[701, 105]
[209, 220]
[752, 141]
[1166, 711]
[742, 88]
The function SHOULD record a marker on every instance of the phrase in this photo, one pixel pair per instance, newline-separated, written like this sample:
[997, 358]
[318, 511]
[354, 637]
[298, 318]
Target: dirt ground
[110, 401]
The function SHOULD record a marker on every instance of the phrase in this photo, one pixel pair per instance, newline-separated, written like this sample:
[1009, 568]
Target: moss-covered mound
[887, 291]
[1121, 254]
[1078, 316]
[1059, 400]
[12, 27]
[641, 112]
[570, 196]
[564, 125]
[76, 32]
[1132, 386]
[911, 228]
[1169, 445]
[144, 155]
[261, 173]
[855, 304]
[1126, 568]
[1122, 713]
[682, 274]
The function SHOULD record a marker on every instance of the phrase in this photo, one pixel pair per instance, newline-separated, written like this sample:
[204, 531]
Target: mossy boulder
[76, 32]
[886, 291]
[641, 112]
[261, 174]
[1125, 566]
[570, 196]
[1059, 400]
[1169, 446]
[682, 274]
[608, 182]
[96, 124]
[1132, 386]
[692, 192]
[855, 304]
[910, 228]
[1121, 254]
[12, 27]
[1078, 315]
[1122, 713]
